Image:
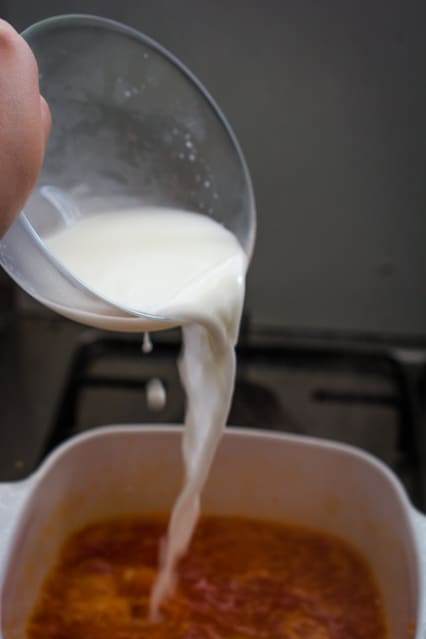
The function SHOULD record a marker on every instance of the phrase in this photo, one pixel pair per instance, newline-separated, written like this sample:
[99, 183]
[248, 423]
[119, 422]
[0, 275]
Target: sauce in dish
[241, 579]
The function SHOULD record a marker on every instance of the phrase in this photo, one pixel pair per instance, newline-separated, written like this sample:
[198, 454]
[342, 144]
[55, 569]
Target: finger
[46, 119]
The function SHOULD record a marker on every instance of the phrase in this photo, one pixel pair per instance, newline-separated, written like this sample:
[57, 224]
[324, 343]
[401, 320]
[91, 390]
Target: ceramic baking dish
[131, 469]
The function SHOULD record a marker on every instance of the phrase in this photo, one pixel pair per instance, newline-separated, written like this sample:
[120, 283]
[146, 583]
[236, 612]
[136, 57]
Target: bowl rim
[231, 431]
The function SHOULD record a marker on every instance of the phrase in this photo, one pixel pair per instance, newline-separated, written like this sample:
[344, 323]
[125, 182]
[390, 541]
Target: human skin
[24, 124]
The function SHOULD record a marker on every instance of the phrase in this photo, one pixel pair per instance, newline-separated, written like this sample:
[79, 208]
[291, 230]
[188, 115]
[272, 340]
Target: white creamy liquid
[182, 266]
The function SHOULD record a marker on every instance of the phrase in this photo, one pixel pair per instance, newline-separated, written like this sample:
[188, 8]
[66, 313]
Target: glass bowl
[130, 123]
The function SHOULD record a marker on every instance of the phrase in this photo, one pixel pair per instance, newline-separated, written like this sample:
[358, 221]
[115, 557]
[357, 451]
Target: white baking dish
[119, 470]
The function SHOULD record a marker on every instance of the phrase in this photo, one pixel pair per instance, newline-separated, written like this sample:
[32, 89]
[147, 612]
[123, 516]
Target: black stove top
[371, 395]
[58, 379]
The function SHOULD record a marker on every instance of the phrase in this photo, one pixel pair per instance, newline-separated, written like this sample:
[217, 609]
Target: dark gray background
[328, 99]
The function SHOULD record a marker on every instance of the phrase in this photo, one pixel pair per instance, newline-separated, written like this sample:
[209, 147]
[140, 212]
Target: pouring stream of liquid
[181, 265]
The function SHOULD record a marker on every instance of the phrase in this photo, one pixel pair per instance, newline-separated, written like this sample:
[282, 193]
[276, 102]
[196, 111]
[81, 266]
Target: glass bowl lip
[82, 20]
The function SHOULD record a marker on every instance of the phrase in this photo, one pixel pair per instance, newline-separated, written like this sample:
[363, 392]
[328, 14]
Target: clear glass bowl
[129, 122]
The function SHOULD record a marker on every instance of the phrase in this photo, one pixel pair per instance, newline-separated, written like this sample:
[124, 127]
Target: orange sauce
[241, 579]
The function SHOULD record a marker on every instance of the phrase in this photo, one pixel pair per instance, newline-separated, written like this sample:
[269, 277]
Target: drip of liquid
[186, 267]
[147, 343]
[156, 395]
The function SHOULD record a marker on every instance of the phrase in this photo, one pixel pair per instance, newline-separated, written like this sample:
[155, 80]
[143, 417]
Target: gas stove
[363, 393]
[59, 379]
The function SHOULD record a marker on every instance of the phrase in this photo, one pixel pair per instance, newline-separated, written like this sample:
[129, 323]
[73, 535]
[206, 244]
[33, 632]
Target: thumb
[46, 119]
